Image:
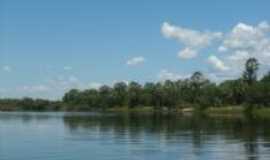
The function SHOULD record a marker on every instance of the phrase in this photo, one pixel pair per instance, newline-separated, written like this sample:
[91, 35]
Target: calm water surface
[88, 136]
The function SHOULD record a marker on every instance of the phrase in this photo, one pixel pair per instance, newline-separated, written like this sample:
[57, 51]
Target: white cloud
[95, 85]
[239, 56]
[73, 79]
[245, 41]
[187, 53]
[65, 83]
[222, 49]
[166, 75]
[7, 68]
[245, 36]
[192, 40]
[264, 26]
[219, 77]
[135, 61]
[217, 63]
[189, 37]
[117, 81]
[240, 43]
[52, 88]
[34, 88]
[67, 68]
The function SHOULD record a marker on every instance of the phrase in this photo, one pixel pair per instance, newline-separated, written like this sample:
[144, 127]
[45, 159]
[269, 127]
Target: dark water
[76, 136]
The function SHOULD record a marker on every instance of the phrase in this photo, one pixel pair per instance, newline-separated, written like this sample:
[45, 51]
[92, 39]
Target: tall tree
[148, 94]
[251, 68]
[134, 91]
[106, 98]
[197, 81]
[169, 94]
[72, 97]
[120, 93]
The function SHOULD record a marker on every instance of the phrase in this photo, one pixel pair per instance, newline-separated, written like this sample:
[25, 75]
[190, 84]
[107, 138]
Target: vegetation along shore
[245, 94]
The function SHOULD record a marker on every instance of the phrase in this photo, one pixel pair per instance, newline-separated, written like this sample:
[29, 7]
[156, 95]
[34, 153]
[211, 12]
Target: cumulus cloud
[245, 41]
[95, 85]
[65, 83]
[192, 40]
[52, 89]
[7, 68]
[219, 77]
[244, 36]
[135, 61]
[187, 53]
[30, 90]
[34, 88]
[217, 63]
[189, 37]
[240, 55]
[167, 75]
[67, 68]
[222, 49]
[241, 42]
[117, 81]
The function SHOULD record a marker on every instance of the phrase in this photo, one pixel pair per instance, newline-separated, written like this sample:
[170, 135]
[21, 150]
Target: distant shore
[245, 95]
[226, 111]
[211, 111]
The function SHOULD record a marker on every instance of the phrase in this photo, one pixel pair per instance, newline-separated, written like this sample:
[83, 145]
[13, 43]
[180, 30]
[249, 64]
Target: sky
[48, 47]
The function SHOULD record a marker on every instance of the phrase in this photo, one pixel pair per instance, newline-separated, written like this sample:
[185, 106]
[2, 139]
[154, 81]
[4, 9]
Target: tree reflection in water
[176, 129]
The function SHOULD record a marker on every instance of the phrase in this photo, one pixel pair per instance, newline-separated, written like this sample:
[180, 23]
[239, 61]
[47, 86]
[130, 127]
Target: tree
[158, 96]
[169, 96]
[233, 91]
[197, 77]
[72, 97]
[120, 93]
[91, 98]
[197, 82]
[106, 97]
[134, 91]
[184, 92]
[211, 96]
[266, 78]
[148, 94]
[251, 68]
[194, 91]
[259, 93]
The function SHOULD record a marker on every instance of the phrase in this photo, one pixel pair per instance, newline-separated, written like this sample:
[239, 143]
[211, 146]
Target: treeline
[29, 104]
[196, 91]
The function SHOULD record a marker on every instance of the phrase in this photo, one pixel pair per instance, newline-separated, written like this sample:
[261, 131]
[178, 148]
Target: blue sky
[48, 47]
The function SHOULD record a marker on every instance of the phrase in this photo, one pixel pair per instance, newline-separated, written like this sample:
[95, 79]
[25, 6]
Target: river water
[92, 136]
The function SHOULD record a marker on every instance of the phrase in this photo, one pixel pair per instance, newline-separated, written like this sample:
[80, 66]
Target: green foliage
[233, 91]
[29, 104]
[196, 91]
[266, 78]
[250, 74]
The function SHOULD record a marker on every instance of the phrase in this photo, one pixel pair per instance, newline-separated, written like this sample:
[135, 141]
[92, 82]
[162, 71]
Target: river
[108, 136]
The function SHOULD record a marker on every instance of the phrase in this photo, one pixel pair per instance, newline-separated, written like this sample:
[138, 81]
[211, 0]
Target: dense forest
[196, 91]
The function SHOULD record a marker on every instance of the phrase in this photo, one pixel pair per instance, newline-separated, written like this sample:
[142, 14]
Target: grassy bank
[233, 111]
[230, 110]
[261, 113]
[145, 109]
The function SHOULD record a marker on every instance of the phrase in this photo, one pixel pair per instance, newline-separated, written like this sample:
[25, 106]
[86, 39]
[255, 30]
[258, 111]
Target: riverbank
[235, 111]
[228, 111]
